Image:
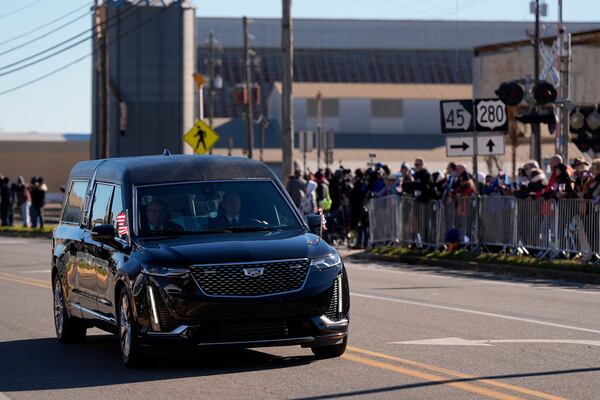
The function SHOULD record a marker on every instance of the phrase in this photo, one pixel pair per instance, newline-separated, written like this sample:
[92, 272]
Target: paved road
[417, 333]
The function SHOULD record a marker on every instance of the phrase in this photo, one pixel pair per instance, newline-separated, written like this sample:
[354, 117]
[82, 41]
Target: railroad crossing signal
[201, 137]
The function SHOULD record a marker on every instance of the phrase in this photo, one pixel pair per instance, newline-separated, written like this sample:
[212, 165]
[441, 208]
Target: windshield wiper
[253, 228]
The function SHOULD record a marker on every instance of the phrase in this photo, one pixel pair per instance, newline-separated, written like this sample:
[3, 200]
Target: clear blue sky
[61, 103]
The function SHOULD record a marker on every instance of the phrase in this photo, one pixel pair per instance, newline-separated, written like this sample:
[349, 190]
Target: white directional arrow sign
[489, 145]
[459, 146]
[452, 341]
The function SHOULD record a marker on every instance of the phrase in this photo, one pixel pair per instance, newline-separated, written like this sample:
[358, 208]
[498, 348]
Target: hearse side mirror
[104, 234]
[314, 224]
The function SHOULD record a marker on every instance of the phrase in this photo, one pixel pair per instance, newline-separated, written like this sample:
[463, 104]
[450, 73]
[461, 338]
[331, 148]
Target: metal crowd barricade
[578, 227]
[461, 214]
[536, 225]
[417, 222]
[382, 219]
[545, 227]
[497, 222]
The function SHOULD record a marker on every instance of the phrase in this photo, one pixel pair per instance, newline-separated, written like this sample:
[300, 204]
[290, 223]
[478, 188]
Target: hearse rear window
[74, 204]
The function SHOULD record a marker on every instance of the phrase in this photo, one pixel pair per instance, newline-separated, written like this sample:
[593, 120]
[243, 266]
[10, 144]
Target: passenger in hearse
[229, 212]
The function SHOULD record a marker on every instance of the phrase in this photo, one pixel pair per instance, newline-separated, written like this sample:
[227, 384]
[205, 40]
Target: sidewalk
[554, 273]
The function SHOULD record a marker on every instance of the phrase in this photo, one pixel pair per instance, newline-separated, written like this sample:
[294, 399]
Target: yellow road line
[25, 281]
[25, 278]
[456, 374]
[378, 364]
[431, 377]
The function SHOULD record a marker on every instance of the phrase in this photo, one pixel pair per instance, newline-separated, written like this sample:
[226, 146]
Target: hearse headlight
[164, 271]
[330, 261]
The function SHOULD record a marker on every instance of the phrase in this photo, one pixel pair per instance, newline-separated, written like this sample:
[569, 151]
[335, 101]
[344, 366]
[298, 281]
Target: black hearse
[186, 250]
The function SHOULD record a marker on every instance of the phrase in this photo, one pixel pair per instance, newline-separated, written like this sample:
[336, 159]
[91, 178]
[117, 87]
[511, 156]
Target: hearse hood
[231, 248]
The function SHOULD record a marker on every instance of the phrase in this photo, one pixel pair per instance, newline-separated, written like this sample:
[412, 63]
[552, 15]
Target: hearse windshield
[212, 207]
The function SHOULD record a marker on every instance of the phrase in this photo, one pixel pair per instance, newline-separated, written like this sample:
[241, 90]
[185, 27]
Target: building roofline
[461, 21]
[577, 38]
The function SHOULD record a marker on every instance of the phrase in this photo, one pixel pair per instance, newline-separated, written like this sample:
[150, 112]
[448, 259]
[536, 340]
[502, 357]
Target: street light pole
[536, 143]
[319, 133]
[249, 91]
[564, 39]
[211, 78]
[287, 112]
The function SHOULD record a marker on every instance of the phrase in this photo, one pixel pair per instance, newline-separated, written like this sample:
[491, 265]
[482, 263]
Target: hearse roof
[171, 168]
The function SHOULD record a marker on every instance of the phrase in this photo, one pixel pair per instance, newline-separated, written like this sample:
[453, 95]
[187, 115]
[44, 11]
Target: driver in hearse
[156, 218]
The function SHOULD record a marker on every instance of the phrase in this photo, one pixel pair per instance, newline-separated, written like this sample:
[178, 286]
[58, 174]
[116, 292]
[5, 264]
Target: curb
[26, 234]
[501, 269]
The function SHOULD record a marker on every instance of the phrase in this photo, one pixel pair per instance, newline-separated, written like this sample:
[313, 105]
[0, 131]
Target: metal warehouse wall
[151, 58]
[51, 160]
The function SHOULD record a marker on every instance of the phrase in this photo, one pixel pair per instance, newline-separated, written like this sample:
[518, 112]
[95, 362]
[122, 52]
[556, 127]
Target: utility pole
[249, 91]
[319, 133]
[536, 143]
[211, 78]
[564, 39]
[287, 112]
[263, 126]
[102, 144]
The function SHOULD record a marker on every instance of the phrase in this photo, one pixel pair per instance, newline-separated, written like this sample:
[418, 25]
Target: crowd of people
[342, 194]
[25, 200]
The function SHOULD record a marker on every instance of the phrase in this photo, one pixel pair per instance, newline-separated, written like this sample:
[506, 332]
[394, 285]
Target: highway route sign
[490, 115]
[459, 146]
[456, 116]
[490, 145]
[201, 137]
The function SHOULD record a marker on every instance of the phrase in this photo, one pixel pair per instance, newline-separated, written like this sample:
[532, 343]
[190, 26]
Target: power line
[39, 60]
[8, 14]
[39, 53]
[44, 35]
[19, 36]
[57, 70]
[78, 60]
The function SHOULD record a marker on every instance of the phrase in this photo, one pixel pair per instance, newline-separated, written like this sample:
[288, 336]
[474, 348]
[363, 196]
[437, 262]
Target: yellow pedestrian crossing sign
[201, 137]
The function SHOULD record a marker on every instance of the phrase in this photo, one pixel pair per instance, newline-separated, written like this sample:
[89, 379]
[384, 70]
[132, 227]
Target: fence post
[515, 233]
[555, 244]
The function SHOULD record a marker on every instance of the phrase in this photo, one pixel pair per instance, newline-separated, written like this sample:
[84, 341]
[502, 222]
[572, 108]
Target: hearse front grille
[243, 331]
[250, 280]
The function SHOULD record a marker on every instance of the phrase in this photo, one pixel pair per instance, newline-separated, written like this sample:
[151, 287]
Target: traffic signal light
[583, 141]
[596, 143]
[592, 121]
[513, 93]
[585, 122]
[577, 121]
[510, 93]
[544, 93]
